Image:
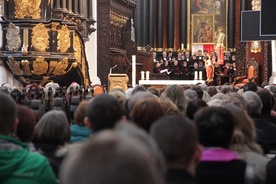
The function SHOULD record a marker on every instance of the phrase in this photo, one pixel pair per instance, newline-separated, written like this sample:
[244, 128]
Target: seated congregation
[195, 134]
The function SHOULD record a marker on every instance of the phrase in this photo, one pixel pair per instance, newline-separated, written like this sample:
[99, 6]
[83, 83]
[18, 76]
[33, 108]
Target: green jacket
[19, 165]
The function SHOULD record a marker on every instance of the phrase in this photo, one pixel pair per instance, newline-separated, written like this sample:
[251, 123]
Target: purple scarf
[219, 155]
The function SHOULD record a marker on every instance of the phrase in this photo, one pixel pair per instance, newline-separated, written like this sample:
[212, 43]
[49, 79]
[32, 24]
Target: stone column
[3, 74]
[91, 48]
[272, 79]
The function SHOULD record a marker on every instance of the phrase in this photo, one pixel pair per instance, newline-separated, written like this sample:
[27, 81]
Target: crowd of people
[184, 66]
[179, 135]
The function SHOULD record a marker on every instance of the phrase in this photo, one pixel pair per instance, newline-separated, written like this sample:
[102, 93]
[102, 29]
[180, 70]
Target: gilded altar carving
[14, 66]
[40, 38]
[27, 9]
[13, 37]
[26, 66]
[64, 40]
[40, 66]
[77, 48]
[61, 67]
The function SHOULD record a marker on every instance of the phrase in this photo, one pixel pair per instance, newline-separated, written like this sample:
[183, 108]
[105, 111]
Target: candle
[133, 71]
[188, 46]
[200, 75]
[196, 75]
[142, 75]
[182, 46]
[147, 75]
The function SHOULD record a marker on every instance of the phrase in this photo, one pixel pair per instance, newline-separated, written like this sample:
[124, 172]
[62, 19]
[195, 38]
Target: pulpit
[117, 81]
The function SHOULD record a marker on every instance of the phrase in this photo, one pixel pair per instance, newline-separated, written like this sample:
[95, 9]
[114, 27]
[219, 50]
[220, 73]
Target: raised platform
[159, 84]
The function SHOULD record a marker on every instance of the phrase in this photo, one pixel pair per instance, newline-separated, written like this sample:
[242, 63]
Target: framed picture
[203, 26]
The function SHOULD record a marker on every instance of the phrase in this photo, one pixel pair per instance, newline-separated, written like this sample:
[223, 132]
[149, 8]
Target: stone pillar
[91, 49]
[3, 74]
[272, 79]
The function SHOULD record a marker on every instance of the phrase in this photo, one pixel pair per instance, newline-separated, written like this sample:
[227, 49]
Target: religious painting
[204, 12]
[202, 28]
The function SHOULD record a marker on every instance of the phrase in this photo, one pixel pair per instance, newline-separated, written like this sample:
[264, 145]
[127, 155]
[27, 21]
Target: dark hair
[250, 86]
[103, 112]
[145, 112]
[80, 112]
[267, 100]
[176, 137]
[215, 127]
[26, 123]
[154, 91]
[7, 114]
[194, 106]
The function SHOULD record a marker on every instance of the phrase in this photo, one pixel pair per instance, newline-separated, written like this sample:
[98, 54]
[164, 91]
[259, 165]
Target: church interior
[94, 42]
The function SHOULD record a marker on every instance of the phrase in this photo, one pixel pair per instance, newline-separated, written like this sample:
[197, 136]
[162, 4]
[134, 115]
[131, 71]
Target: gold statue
[40, 66]
[14, 66]
[61, 67]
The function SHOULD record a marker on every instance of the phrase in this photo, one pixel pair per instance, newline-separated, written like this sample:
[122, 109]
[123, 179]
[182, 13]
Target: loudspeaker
[268, 17]
[250, 27]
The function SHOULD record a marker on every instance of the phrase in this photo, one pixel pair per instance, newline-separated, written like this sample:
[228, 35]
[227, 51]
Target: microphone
[112, 68]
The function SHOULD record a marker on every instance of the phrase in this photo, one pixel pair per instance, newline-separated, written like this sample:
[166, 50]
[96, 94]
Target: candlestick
[147, 75]
[200, 75]
[142, 75]
[133, 71]
[196, 75]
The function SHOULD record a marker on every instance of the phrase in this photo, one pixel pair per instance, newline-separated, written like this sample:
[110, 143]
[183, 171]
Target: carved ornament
[61, 67]
[64, 40]
[14, 66]
[40, 38]
[26, 66]
[27, 9]
[40, 66]
[13, 37]
[77, 48]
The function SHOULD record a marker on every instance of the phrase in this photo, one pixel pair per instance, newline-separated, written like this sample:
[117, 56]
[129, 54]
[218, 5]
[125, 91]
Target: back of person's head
[250, 86]
[212, 90]
[169, 108]
[244, 132]
[234, 98]
[154, 91]
[141, 95]
[103, 112]
[110, 158]
[198, 90]
[120, 96]
[177, 138]
[253, 102]
[80, 113]
[138, 89]
[191, 94]
[176, 94]
[145, 112]
[53, 127]
[26, 123]
[7, 114]
[215, 127]
[267, 100]
[226, 89]
[194, 106]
